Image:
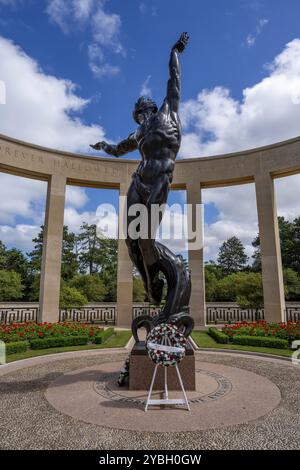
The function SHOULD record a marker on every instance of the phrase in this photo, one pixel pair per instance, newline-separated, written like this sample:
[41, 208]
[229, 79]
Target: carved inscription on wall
[77, 167]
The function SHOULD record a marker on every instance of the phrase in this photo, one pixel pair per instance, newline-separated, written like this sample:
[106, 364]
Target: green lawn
[203, 340]
[117, 340]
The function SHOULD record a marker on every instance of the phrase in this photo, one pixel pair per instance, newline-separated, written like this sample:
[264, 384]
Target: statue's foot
[157, 290]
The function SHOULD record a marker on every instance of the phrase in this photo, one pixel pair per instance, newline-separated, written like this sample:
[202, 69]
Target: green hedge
[260, 341]
[53, 342]
[218, 335]
[103, 336]
[45, 343]
[19, 346]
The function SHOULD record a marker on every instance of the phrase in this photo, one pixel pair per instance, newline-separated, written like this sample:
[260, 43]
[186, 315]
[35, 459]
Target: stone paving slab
[28, 421]
[225, 396]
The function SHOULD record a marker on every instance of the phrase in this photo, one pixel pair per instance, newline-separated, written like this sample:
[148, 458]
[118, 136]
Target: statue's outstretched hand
[181, 44]
[99, 145]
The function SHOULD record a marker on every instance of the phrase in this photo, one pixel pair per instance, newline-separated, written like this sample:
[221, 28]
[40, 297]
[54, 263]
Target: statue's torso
[159, 142]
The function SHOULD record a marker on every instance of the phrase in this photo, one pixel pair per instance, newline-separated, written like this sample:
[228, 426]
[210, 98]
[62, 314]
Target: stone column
[52, 247]
[273, 289]
[124, 278]
[196, 262]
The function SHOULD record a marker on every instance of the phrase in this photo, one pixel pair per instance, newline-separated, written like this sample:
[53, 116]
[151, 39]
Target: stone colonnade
[259, 166]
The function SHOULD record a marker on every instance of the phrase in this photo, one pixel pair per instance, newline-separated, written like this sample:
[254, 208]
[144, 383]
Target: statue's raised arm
[122, 148]
[171, 102]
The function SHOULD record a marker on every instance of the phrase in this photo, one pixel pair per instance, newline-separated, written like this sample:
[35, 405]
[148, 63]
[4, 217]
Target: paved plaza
[70, 401]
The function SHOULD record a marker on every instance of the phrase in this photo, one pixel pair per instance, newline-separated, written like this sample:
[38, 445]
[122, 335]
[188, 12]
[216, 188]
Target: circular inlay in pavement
[224, 396]
[210, 386]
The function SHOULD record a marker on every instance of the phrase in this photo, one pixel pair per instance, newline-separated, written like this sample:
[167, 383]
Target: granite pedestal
[141, 370]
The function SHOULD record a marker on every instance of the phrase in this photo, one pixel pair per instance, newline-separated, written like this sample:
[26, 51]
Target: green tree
[14, 260]
[110, 281]
[240, 286]
[249, 290]
[232, 257]
[69, 261]
[35, 256]
[289, 244]
[212, 275]
[226, 289]
[2, 255]
[90, 285]
[96, 253]
[291, 281]
[10, 286]
[212, 267]
[88, 246]
[34, 290]
[109, 266]
[256, 264]
[71, 298]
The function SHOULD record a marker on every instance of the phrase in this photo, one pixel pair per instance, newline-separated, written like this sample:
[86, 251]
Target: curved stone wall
[259, 166]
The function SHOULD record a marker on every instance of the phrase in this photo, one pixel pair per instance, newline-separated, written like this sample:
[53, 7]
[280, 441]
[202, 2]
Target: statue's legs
[133, 197]
[148, 248]
[151, 257]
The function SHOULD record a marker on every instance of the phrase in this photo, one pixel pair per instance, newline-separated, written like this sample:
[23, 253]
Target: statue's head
[142, 106]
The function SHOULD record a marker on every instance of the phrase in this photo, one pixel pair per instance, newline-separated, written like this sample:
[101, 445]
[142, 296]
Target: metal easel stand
[166, 400]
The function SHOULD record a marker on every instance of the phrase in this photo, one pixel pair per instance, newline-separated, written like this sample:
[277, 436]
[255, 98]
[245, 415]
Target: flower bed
[31, 331]
[287, 331]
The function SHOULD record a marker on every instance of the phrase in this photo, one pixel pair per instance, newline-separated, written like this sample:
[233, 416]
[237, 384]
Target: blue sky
[73, 70]
[217, 54]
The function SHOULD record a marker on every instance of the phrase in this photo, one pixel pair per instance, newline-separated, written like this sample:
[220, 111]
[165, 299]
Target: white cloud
[251, 38]
[19, 236]
[2, 92]
[41, 108]
[58, 11]
[22, 209]
[83, 9]
[145, 89]
[21, 197]
[144, 9]
[74, 219]
[76, 196]
[237, 217]
[96, 62]
[238, 213]
[106, 29]
[72, 15]
[287, 191]
[215, 123]
[69, 14]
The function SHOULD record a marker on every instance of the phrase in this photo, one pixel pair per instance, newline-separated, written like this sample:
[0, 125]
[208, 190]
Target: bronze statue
[158, 139]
